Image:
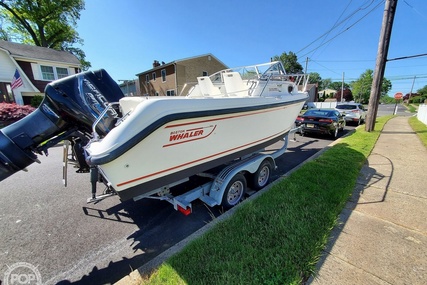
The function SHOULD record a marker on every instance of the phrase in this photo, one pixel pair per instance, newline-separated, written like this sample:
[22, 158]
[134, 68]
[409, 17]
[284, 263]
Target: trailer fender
[250, 165]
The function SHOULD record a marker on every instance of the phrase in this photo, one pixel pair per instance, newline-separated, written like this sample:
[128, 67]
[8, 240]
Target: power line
[345, 60]
[335, 25]
[406, 57]
[346, 29]
[415, 10]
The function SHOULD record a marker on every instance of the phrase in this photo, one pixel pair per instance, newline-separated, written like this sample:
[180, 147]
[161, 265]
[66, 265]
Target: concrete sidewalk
[382, 236]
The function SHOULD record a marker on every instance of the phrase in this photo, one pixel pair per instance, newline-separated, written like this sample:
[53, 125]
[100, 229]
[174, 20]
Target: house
[177, 77]
[130, 87]
[312, 92]
[37, 66]
[327, 93]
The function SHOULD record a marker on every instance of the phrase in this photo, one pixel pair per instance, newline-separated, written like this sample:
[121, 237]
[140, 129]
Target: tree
[362, 86]
[290, 62]
[3, 33]
[326, 83]
[423, 91]
[347, 95]
[314, 77]
[44, 23]
[338, 85]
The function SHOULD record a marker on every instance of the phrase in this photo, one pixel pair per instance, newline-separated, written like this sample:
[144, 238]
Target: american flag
[16, 80]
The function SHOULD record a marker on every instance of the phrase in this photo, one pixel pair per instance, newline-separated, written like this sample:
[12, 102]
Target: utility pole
[412, 88]
[384, 42]
[342, 87]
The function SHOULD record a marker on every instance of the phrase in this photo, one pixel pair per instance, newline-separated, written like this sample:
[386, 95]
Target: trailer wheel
[262, 176]
[234, 191]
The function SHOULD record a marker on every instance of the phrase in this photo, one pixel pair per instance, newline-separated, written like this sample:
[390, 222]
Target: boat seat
[234, 85]
[128, 104]
[207, 88]
[195, 92]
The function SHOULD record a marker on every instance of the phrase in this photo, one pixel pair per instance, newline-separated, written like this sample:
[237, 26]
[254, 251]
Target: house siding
[26, 67]
[193, 68]
[178, 74]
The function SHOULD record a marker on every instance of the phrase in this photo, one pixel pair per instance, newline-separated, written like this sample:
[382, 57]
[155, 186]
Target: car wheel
[343, 125]
[359, 121]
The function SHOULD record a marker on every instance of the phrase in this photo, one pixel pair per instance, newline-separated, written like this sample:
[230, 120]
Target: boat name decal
[187, 135]
[276, 89]
[183, 134]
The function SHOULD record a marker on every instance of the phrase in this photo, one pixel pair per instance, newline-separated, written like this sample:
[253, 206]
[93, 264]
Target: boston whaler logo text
[184, 134]
[187, 135]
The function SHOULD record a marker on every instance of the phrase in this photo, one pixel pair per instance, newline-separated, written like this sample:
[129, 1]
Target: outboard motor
[69, 109]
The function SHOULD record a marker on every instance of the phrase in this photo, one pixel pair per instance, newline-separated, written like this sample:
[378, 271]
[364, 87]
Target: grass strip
[420, 128]
[278, 237]
[411, 108]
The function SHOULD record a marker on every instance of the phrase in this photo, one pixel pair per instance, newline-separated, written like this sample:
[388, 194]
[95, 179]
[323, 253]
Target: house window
[61, 72]
[170, 92]
[51, 73]
[163, 75]
[47, 72]
[154, 76]
[147, 77]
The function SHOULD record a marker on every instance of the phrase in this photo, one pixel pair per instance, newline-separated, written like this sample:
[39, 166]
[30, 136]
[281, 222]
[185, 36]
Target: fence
[422, 113]
[327, 105]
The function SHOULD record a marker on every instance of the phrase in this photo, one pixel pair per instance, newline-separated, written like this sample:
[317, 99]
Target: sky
[338, 37]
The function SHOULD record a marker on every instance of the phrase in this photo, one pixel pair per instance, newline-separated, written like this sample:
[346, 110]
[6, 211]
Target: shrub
[36, 100]
[11, 112]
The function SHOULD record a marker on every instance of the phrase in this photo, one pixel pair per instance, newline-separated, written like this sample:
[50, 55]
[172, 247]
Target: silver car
[353, 112]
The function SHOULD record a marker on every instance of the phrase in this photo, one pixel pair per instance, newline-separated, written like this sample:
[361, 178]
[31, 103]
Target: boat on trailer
[227, 115]
[137, 146]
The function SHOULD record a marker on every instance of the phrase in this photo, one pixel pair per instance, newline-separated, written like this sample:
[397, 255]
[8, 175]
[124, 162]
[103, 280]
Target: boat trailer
[226, 186]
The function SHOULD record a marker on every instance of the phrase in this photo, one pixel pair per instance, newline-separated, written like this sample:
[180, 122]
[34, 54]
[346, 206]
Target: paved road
[72, 242]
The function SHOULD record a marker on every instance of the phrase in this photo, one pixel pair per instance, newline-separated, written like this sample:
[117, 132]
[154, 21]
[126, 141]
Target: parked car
[321, 121]
[354, 112]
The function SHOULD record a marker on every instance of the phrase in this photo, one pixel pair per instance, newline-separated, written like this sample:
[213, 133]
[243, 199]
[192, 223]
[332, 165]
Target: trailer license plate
[309, 125]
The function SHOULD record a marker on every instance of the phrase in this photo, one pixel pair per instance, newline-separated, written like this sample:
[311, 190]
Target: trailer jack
[94, 178]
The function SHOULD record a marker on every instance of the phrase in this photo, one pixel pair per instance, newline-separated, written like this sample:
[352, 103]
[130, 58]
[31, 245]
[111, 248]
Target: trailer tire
[234, 191]
[262, 176]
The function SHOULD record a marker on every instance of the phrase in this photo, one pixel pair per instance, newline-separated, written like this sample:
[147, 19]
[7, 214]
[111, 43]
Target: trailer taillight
[184, 211]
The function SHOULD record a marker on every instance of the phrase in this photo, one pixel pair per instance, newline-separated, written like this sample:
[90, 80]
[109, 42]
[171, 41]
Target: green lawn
[420, 128]
[278, 237]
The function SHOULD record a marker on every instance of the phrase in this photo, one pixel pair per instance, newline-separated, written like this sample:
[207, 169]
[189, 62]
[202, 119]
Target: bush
[11, 112]
[36, 100]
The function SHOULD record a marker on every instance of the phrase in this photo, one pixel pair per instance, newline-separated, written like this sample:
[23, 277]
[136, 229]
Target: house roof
[40, 53]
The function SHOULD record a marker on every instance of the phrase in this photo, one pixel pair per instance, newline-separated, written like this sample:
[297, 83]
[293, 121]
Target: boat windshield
[259, 71]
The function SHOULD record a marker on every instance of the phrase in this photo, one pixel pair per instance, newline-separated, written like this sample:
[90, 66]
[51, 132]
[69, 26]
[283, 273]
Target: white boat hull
[161, 140]
[204, 135]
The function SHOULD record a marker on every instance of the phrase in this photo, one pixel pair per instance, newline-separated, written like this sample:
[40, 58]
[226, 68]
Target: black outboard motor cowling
[70, 107]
